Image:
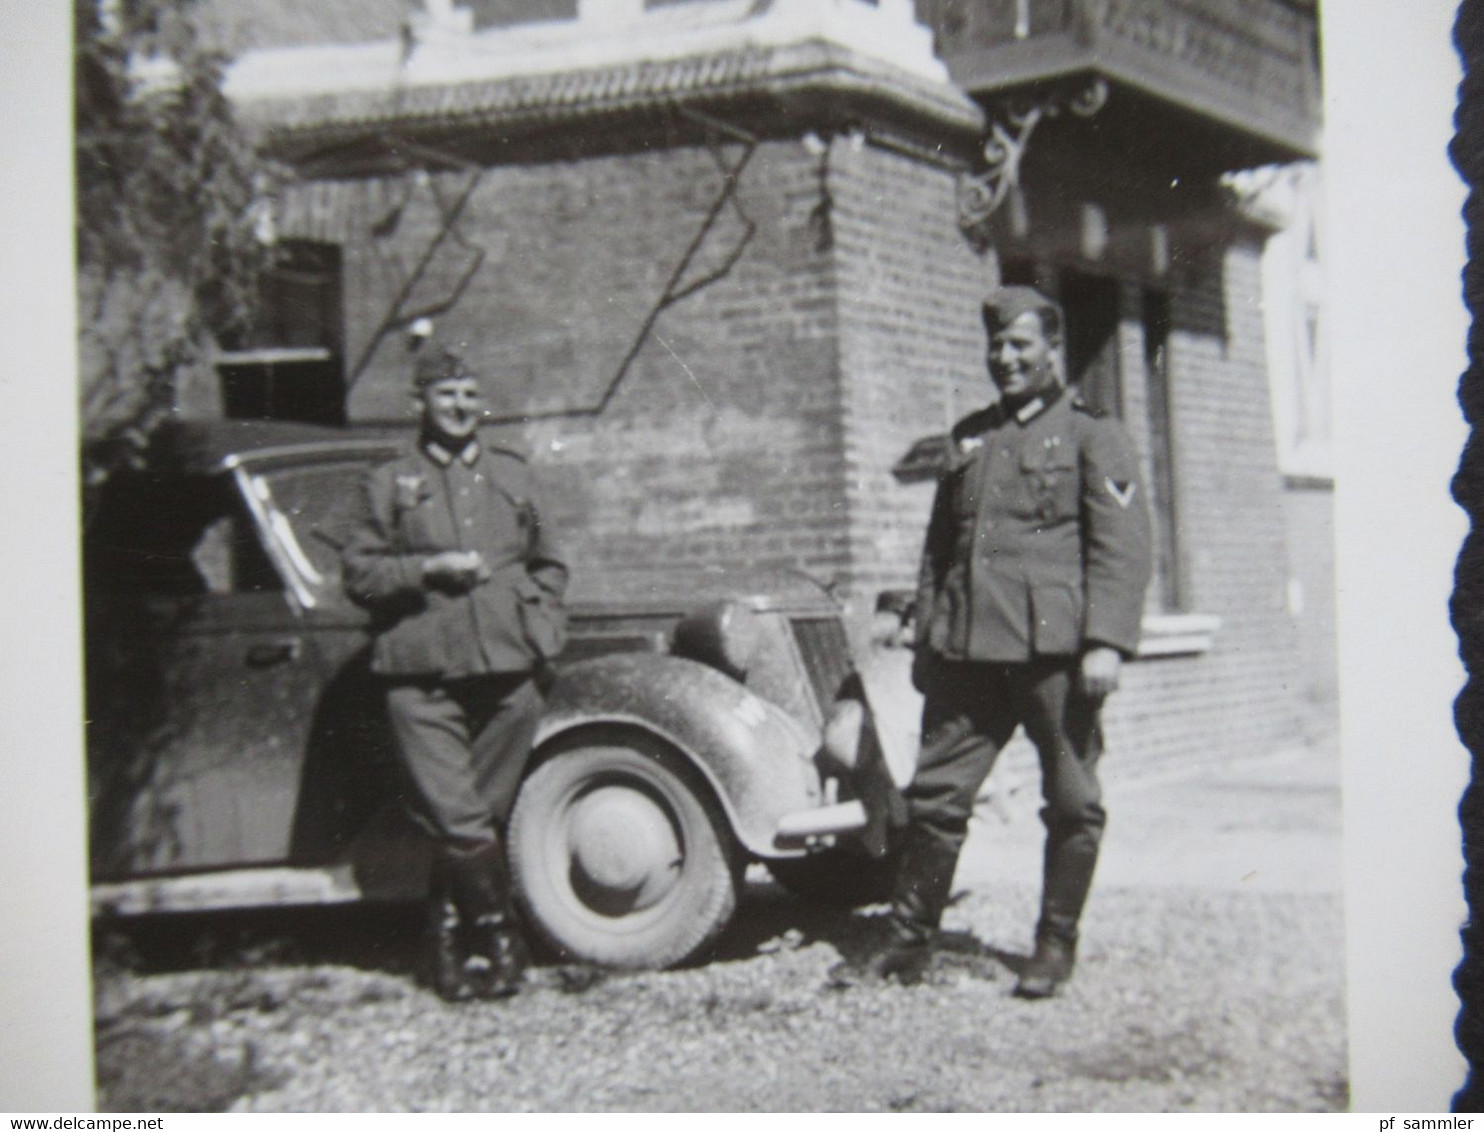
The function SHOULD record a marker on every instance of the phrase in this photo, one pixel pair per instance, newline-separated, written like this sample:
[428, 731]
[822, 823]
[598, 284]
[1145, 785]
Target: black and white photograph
[754, 555]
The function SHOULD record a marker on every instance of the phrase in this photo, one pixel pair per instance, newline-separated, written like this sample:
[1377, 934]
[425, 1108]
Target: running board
[237, 888]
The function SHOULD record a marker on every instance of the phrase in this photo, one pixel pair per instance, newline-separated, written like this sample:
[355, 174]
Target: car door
[202, 682]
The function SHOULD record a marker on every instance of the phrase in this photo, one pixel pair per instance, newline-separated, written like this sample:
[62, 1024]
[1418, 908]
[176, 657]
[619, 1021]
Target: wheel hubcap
[625, 852]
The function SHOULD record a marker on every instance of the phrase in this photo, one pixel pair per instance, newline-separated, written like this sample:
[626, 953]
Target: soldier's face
[453, 408]
[1022, 361]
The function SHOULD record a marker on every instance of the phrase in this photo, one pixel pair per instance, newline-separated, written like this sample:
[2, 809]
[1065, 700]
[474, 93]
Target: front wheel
[619, 853]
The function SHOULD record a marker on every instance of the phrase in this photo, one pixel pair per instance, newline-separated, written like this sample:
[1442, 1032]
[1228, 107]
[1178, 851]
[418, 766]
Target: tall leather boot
[1071, 858]
[497, 959]
[924, 880]
[442, 960]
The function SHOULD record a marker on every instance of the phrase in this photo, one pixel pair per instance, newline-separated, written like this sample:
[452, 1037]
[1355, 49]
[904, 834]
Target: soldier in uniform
[465, 585]
[1030, 598]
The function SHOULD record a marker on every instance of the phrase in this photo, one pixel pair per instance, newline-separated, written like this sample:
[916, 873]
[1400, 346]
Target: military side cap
[1005, 305]
[438, 364]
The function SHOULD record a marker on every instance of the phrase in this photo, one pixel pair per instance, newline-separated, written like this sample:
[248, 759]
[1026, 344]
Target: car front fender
[757, 758]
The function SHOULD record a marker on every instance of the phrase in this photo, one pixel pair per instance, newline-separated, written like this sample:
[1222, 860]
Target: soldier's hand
[454, 571]
[1100, 668]
[481, 571]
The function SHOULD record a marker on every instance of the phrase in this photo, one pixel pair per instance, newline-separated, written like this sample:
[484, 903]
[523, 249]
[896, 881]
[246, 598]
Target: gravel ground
[1185, 999]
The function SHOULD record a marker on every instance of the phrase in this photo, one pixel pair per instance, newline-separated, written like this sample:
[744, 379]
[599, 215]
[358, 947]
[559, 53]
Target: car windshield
[310, 510]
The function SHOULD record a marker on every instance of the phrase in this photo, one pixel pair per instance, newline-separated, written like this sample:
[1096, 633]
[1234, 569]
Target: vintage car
[239, 755]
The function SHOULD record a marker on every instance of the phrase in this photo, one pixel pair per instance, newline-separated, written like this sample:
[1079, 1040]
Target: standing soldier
[451, 556]
[1030, 599]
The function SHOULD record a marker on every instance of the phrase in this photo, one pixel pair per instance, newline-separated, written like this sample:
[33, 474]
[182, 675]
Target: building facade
[722, 261]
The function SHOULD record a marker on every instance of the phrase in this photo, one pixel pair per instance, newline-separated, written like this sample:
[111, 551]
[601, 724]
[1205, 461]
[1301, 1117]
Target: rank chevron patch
[1123, 493]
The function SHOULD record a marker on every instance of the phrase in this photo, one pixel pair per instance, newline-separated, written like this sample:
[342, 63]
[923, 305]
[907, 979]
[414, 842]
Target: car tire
[620, 854]
[845, 876]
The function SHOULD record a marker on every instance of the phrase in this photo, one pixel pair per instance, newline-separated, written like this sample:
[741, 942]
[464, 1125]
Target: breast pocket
[1051, 484]
[418, 526]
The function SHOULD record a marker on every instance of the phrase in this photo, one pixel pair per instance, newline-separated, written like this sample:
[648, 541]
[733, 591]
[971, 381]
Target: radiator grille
[826, 654]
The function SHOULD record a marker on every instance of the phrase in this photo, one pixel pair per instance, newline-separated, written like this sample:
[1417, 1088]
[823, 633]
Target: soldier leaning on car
[1031, 593]
[465, 586]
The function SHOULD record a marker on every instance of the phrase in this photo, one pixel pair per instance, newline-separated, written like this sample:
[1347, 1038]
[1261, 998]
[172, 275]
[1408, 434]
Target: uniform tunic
[462, 701]
[1039, 541]
[429, 501]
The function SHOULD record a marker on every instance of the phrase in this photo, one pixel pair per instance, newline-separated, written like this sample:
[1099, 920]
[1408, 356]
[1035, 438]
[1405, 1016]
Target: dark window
[274, 390]
[1019, 271]
[290, 365]
[1167, 569]
[1090, 303]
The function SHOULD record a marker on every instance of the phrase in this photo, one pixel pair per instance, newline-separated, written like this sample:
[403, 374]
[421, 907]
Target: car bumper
[798, 828]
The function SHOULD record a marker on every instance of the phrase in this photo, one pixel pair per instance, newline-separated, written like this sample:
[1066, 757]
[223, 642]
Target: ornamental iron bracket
[1012, 120]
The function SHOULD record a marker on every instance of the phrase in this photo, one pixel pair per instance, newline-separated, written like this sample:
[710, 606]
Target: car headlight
[840, 745]
[724, 636]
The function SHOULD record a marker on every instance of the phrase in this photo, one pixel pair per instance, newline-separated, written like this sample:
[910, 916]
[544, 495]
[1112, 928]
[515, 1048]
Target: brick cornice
[767, 90]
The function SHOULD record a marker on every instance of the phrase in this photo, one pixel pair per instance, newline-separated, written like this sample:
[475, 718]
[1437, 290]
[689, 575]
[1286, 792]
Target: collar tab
[1030, 410]
[443, 457]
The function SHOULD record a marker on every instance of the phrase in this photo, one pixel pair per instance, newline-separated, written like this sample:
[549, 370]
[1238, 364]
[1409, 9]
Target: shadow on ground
[770, 918]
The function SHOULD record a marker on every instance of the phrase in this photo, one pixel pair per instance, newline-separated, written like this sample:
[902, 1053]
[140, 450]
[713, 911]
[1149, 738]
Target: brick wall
[715, 436]
[1252, 691]
[911, 344]
[911, 358]
[1241, 696]
[757, 421]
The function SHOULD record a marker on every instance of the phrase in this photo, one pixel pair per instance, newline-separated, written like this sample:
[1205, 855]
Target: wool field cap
[440, 363]
[1005, 305]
